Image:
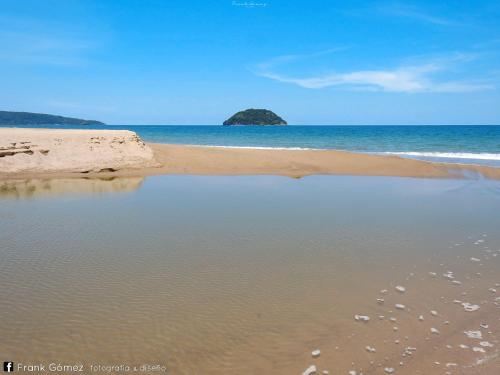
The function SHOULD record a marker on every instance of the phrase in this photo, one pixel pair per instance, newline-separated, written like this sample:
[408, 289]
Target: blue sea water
[454, 143]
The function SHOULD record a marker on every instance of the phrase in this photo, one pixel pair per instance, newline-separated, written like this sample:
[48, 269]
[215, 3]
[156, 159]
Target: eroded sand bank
[36, 151]
[26, 153]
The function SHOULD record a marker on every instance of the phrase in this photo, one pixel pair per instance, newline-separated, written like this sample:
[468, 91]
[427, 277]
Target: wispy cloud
[296, 57]
[413, 12]
[411, 78]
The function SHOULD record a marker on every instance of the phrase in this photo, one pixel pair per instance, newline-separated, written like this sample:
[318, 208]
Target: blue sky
[197, 62]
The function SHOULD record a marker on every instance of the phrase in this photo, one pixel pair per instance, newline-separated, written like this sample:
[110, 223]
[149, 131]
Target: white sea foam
[258, 147]
[449, 155]
[429, 154]
[441, 155]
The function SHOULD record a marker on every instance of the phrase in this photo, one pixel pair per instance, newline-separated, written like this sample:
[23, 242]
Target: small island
[29, 118]
[255, 117]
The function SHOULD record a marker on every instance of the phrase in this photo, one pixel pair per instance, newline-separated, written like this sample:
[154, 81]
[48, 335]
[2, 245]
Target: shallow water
[247, 275]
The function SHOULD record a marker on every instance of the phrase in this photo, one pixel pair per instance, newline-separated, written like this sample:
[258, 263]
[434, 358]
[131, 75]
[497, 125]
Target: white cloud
[412, 12]
[297, 57]
[403, 79]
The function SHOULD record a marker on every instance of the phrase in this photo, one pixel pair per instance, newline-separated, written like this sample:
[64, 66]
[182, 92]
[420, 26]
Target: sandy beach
[217, 262]
[250, 187]
[27, 153]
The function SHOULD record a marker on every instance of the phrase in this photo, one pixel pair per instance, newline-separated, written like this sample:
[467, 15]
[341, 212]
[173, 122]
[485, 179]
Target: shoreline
[214, 160]
[55, 153]
[174, 159]
[401, 154]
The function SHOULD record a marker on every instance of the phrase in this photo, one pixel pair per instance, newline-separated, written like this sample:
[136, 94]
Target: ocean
[453, 144]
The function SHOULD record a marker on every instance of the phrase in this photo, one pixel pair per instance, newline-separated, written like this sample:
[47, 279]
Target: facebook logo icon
[8, 366]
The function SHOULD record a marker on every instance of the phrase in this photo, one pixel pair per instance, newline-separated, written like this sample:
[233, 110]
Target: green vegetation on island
[255, 117]
[28, 118]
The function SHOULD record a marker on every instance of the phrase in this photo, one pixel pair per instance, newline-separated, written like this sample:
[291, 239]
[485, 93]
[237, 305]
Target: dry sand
[27, 153]
[35, 151]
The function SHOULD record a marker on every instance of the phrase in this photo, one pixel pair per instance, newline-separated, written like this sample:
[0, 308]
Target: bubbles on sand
[448, 275]
[486, 344]
[474, 334]
[408, 351]
[470, 307]
[443, 313]
[400, 289]
[311, 370]
[361, 318]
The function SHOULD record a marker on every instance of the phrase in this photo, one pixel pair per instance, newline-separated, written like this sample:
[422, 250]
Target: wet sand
[249, 275]
[200, 160]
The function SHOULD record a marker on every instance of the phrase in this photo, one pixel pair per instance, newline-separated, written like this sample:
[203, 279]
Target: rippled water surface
[247, 275]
